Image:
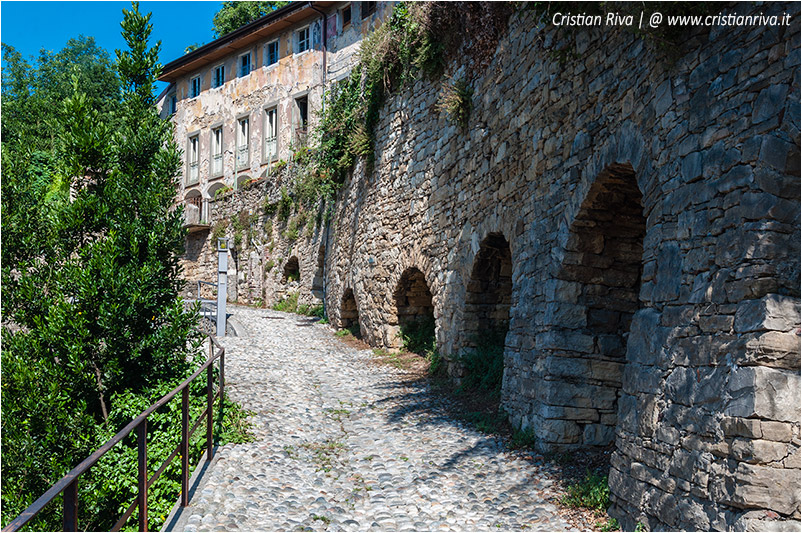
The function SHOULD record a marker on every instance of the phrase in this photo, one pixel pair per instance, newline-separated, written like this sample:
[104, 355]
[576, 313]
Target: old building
[246, 101]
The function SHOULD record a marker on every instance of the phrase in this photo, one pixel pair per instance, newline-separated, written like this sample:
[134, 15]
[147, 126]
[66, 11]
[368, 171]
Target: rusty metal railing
[69, 483]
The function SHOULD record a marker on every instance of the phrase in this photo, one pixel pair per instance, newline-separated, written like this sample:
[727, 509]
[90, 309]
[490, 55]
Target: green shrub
[484, 364]
[610, 525]
[284, 205]
[93, 289]
[269, 265]
[455, 100]
[522, 439]
[291, 233]
[219, 230]
[288, 304]
[417, 336]
[591, 493]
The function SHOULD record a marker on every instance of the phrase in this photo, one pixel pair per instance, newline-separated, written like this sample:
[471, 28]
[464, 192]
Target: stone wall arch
[349, 313]
[242, 179]
[488, 291]
[589, 307]
[292, 270]
[413, 304]
[319, 281]
[213, 188]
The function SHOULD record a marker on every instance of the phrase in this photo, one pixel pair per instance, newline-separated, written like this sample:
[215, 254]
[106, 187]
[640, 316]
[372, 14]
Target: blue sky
[31, 26]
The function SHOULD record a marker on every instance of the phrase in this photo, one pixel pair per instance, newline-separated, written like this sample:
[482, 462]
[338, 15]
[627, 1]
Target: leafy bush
[455, 100]
[288, 304]
[522, 439]
[591, 493]
[484, 364]
[219, 230]
[417, 336]
[284, 205]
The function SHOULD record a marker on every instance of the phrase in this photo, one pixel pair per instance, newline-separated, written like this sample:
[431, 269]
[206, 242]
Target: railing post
[185, 447]
[142, 473]
[221, 388]
[71, 506]
[209, 400]
[222, 376]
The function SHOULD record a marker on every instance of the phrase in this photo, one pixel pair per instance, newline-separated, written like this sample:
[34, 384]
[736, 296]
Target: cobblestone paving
[345, 445]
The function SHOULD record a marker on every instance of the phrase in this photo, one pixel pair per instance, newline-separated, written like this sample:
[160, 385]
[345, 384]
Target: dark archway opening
[292, 270]
[597, 295]
[318, 281]
[349, 314]
[487, 314]
[415, 312]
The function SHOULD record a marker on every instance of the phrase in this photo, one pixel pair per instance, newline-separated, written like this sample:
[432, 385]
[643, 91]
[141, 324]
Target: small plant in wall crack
[456, 100]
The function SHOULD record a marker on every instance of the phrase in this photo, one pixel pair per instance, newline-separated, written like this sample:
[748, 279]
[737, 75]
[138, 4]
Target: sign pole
[222, 284]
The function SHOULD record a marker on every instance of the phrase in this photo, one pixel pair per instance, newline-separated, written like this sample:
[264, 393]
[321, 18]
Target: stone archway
[486, 318]
[292, 270]
[590, 310]
[318, 282]
[349, 314]
[414, 311]
[489, 291]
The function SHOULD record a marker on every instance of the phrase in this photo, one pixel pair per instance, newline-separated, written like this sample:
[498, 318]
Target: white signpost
[222, 285]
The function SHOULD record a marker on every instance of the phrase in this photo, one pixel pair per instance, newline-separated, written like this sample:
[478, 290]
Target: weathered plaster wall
[652, 211]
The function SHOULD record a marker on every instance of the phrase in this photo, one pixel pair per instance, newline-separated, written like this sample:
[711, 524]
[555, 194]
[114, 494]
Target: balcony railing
[243, 159]
[193, 173]
[271, 148]
[217, 164]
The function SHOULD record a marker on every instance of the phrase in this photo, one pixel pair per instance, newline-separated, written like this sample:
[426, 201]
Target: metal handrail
[69, 483]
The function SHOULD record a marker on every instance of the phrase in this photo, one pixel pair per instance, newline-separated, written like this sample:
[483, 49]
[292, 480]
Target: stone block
[597, 435]
[775, 152]
[769, 103]
[741, 427]
[558, 432]
[646, 338]
[669, 273]
[758, 451]
[772, 348]
[778, 431]
[752, 486]
[565, 315]
[772, 312]
[763, 392]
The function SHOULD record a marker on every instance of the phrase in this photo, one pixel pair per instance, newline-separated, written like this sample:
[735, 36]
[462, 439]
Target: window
[219, 77]
[194, 86]
[243, 149]
[194, 147]
[346, 14]
[302, 104]
[245, 64]
[173, 104]
[217, 151]
[271, 134]
[302, 40]
[271, 53]
[368, 8]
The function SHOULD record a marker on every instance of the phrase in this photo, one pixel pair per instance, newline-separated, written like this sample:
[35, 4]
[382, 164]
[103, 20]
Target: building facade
[246, 101]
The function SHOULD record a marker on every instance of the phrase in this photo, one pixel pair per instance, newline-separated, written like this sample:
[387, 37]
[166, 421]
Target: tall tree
[33, 94]
[235, 14]
[91, 310]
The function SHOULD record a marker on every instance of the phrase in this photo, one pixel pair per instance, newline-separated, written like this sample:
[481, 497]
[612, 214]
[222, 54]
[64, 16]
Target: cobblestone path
[343, 445]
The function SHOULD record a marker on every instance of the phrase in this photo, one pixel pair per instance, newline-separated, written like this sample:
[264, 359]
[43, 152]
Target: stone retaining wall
[633, 221]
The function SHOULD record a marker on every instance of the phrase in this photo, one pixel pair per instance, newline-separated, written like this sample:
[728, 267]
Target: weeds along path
[342, 444]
